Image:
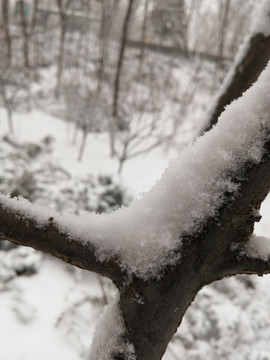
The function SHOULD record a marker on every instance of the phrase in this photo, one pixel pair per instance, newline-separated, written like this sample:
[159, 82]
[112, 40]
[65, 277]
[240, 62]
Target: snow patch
[258, 247]
[25, 210]
[108, 337]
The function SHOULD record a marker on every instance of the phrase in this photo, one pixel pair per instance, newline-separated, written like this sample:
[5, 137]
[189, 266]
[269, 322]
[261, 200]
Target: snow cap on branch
[146, 235]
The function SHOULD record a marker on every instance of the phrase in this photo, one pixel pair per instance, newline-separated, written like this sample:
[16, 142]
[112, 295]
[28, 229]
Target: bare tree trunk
[10, 121]
[33, 36]
[112, 131]
[144, 31]
[75, 133]
[102, 48]
[25, 35]
[101, 285]
[246, 71]
[83, 143]
[5, 15]
[121, 163]
[105, 27]
[120, 59]
[60, 61]
[223, 27]
[223, 31]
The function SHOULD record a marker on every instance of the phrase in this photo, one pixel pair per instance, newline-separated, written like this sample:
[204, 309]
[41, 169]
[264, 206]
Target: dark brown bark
[120, 59]
[154, 309]
[246, 72]
[50, 240]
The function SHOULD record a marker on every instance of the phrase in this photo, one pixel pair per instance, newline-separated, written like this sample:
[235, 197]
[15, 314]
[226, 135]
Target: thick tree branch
[48, 239]
[206, 257]
[246, 70]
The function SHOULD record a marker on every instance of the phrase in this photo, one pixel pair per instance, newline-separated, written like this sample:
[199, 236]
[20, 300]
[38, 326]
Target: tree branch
[25, 230]
[251, 59]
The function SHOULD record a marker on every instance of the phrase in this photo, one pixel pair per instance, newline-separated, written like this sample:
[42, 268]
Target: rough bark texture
[153, 309]
[246, 72]
[51, 241]
[120, 59]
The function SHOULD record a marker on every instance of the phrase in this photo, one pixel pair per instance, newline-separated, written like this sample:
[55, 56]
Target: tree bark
[25, 36]
[5, 15]
[24, 230]
[245, 72]
[120, 59]
[61, 52]
[153, 309]
[143, 31]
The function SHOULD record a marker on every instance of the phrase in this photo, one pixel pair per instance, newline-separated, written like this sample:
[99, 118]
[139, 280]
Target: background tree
[5, 17]
[170, 21]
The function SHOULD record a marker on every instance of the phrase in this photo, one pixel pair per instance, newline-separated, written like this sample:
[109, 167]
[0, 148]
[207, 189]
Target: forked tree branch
[49, 239]
[244, 73]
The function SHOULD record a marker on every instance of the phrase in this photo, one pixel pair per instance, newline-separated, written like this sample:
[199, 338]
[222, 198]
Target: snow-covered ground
[139, 173]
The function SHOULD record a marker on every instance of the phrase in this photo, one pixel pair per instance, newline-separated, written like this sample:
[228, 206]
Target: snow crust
[258, 247]
[107, 339]
[147, 236]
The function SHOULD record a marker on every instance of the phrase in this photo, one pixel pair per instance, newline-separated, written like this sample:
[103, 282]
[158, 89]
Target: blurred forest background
[95, 97]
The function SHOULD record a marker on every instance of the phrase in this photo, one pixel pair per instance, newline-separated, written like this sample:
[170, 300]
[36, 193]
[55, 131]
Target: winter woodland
[135, 149]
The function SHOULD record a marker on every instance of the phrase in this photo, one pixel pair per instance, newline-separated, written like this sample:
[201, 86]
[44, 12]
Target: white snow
[145, 235]
[191, 190]
[25, 210]
[107, 339]
[258, 247]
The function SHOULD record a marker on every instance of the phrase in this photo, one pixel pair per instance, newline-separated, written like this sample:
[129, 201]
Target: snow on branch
[252, 257]
[30, 225]
[148, 236]
[250, 60]
[109, 336]
[258, 247]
